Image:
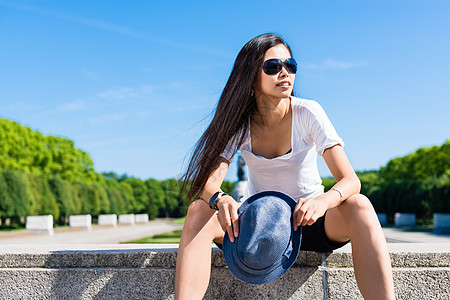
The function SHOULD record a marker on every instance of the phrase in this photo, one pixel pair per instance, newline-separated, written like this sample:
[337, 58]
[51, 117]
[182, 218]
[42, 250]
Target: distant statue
[241, 185]
[241, 171]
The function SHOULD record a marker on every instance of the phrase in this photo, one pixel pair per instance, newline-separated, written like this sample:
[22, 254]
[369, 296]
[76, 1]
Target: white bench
[141, 218]
[84, 221]
[404, 219]
[107, 220]
[127, 219]
[441, 222]
[382, 217]
[40, 223]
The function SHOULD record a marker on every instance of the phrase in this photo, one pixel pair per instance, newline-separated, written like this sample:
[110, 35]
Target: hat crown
[266, 235]
[267, 245]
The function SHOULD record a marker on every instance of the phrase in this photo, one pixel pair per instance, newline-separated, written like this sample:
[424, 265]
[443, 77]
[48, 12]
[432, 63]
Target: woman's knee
[195, 207]
[197, 216]
[358, 203]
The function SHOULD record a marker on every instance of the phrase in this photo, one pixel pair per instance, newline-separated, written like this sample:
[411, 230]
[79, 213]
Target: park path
[98, 235]
[400, 235]
[123, 233]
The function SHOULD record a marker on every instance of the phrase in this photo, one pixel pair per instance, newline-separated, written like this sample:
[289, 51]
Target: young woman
[279, 136]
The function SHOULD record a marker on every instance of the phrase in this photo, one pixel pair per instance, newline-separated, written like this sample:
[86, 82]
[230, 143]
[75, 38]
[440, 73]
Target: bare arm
[228, 214]
[346, 180]
[308, 211]
[214, 182]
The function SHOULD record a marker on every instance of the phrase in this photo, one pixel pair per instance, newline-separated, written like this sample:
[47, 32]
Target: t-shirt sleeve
[229, 150]
[319, 128]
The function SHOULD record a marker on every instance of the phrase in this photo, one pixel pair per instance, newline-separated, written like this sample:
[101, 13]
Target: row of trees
[48, 175]
[23, 194]
[422, 197]
[416, 183]
[26, 150]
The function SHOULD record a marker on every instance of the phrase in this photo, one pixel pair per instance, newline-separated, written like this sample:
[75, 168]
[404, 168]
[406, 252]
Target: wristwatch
[215, 198]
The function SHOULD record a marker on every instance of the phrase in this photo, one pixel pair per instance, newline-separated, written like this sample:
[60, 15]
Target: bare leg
[194, 253]
[356, 219]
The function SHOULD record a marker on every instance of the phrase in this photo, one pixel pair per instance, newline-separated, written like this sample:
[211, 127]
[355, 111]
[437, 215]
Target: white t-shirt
[294, 173]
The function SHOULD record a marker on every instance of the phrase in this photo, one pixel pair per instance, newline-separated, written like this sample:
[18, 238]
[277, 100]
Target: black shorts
[314, 238]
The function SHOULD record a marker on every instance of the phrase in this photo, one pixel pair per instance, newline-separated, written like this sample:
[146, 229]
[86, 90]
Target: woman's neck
[270, 112]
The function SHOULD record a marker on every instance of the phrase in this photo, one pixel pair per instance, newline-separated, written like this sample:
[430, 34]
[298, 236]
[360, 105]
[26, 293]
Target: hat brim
[276, 270]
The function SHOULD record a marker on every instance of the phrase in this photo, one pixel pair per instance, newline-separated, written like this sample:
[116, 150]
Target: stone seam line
[324, 270]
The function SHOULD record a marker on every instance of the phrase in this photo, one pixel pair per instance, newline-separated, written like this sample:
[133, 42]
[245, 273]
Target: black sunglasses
[273, 66]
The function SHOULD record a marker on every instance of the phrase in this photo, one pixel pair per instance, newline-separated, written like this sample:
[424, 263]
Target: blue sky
[133, 83]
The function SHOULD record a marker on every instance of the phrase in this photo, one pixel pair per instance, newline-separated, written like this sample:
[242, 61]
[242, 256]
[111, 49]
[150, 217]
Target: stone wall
[421, 271]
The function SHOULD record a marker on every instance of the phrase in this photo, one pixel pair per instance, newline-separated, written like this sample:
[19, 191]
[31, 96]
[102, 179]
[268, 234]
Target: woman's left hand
[307, 211]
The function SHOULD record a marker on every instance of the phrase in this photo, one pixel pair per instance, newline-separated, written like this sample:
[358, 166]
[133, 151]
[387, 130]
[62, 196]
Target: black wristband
[215, 198]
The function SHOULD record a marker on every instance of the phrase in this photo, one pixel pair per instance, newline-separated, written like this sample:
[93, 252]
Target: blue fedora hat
[267, 245]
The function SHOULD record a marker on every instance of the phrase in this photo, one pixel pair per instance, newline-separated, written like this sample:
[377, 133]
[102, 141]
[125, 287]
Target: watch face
[213, 198]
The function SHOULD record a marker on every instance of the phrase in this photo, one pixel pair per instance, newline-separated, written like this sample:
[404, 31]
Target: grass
[179, 220]
[163, 238]
[419, 228]
[12, 228]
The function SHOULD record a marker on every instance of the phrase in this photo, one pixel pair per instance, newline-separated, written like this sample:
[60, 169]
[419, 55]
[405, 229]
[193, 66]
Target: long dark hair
[231, 119]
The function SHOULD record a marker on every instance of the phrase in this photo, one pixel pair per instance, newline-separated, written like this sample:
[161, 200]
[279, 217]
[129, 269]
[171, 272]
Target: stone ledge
[421, 271]
[151, 256]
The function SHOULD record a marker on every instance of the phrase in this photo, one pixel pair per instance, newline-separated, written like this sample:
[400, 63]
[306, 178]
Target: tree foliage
[424, 163]
[29, 151]
[49, 175]
[417, 183]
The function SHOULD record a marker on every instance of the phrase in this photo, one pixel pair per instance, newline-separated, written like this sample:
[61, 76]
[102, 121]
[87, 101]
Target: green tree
[104, 202]
[127, 194]
[171, 197]
[94, 206]
[19, 192]
[441, 195]
[81, 197]
[29, 151]
[48, 204]
[227, 186]
[156, 196]
[140, 195]
[6, 202]
[419, 165]
[62, 191]
[117, 202]
[328, 182]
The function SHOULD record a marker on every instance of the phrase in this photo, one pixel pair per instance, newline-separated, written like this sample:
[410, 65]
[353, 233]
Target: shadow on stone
[112, 274]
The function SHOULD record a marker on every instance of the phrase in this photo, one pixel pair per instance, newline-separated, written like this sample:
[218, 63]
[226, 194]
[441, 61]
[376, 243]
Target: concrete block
[127, 219]
[441, 222]
[83, 221]
[107, 220]
[297, 283]
[342, 284]
[40, 223]
[141, 218]
[108, 284]
[421, 271]
[422, 283]
[404, 219]
[382, 217]
[409, 283]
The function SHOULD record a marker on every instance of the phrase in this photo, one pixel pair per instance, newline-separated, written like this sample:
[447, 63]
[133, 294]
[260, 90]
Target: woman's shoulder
[301, 104]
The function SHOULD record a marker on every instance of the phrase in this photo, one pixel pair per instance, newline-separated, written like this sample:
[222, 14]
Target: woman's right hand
[228, 216]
